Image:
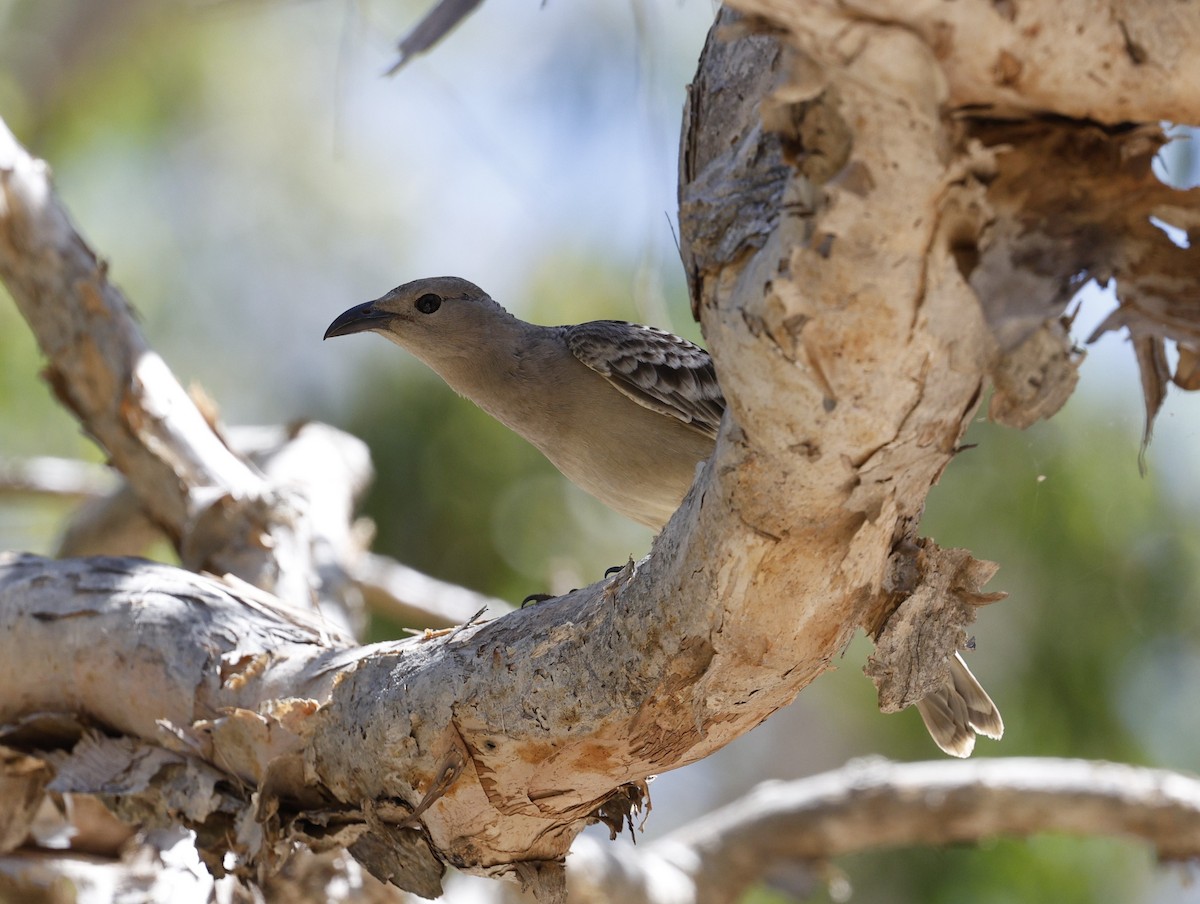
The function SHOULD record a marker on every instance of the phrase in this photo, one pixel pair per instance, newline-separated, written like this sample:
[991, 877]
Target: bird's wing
[655, 368]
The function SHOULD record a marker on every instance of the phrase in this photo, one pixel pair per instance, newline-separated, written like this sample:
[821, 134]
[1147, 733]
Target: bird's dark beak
[358, 319]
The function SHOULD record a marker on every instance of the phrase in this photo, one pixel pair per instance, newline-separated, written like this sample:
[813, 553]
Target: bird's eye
[428, 303]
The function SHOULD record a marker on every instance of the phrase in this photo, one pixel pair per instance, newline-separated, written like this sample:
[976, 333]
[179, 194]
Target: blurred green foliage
[1096, 648]
[1102, 564]
[1043, 868]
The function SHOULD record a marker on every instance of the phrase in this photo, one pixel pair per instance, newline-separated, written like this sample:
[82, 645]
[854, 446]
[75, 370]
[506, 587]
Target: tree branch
[222, 515]
[877, 804]
[829, 208]
[112, 523]
[404, 594]
[1011, 60]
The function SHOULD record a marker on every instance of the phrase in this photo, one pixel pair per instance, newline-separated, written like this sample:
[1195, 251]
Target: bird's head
[432, 318]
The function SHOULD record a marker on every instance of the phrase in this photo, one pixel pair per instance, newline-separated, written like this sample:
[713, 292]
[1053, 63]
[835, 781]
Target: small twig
[407, 595]
[438, 23]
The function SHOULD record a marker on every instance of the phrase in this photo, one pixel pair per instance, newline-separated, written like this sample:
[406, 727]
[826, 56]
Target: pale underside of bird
[626, 412]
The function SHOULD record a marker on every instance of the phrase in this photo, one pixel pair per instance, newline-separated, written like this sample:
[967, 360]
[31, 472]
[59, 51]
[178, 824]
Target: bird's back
[630, 438]
[655, 368]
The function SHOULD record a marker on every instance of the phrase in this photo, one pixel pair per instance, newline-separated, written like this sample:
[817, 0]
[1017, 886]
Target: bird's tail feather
[959, 710]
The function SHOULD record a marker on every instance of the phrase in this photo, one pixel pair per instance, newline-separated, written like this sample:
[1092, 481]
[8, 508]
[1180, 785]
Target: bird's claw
[622, 575]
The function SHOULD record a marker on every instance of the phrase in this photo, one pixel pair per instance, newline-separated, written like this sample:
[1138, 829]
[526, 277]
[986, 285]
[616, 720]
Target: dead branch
[404, 594]
[798, 826]
[221, 513]
[443, 18]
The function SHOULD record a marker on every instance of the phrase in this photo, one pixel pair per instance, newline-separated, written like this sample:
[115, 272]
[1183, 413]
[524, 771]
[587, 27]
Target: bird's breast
[631, 458]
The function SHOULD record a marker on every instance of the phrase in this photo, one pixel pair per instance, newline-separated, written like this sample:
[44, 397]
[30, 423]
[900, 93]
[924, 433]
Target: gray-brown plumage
[654, 368]
[955, 713]
[626, 412]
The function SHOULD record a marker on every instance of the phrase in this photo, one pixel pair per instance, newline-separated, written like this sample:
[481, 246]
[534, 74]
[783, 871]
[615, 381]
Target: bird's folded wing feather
[655, 368]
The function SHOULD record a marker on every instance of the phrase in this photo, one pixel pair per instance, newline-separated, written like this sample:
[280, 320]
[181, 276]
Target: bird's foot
[621, 575]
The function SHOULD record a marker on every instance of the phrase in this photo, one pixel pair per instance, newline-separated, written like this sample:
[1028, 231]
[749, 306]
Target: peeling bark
[1112, 62]
[1058, 110]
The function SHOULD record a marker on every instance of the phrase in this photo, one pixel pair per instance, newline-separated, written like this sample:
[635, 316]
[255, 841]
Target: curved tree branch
[221, 513]
[1016, 59]
[833, 216]
[876, 804]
